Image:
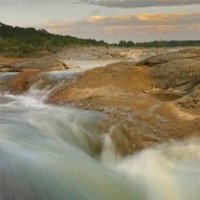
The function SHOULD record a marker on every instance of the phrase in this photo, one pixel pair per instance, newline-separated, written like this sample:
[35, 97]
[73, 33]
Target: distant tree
[124, 43]
[25, 41]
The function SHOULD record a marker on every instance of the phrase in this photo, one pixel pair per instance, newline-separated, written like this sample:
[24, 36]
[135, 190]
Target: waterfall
[109, 154]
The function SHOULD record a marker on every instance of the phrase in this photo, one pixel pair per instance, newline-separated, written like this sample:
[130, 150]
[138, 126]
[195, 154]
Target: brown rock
[150, 104]
[45, 63]
[20, 83]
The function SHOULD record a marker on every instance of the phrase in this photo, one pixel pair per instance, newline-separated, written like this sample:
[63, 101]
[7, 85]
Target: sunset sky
[111, 20]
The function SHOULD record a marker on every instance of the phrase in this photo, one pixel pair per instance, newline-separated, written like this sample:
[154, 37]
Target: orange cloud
[95, 18]
[140, 27]
[195, 27]
[178, 18]
[158, 17]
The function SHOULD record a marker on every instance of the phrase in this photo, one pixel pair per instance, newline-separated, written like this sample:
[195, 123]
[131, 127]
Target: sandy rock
[117, 80]
[21, 82]
[46, 63]
[171, 56]
[148, 102]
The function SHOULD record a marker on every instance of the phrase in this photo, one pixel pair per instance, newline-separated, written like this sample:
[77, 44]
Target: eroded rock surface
[46, 63]
[150, 102]
[21, 82]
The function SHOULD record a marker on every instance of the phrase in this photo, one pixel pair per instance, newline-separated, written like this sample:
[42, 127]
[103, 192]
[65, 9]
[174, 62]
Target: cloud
[116, 3]
[131, 20]
[140, 3]
[141, 27]
[140, 19]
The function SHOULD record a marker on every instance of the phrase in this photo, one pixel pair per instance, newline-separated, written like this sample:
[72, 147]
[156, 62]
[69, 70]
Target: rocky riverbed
[150, 96]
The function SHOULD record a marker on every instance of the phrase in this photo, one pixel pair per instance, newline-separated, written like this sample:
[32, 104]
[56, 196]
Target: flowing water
[50, 152]
[82, 65]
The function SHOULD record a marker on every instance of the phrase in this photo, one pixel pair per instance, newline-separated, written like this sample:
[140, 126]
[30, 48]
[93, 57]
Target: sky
[110, 20]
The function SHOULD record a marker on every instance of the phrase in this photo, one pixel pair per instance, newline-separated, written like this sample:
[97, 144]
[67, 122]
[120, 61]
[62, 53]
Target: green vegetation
[124, 43]
[19, 41]
[25, 41]
[161, 43]
[173, 43]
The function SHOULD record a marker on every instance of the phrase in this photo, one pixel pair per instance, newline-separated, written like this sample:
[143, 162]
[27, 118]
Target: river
[50, 152]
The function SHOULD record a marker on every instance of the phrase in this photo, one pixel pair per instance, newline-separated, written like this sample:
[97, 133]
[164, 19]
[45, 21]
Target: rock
[21, 82]
[191, 102]
[147, 101]
[46, 63]
[171, 56]
[181, 74]
[114, 84]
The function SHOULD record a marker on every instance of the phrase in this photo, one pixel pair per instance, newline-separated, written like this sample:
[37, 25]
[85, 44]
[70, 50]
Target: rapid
[58, 152]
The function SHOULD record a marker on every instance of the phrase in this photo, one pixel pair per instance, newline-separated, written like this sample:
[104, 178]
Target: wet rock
[21, 82]
[4, 78]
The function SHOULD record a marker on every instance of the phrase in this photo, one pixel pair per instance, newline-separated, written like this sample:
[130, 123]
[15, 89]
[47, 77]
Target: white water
[57, 152]
[82, 65]
[48, 81]
[167, 172]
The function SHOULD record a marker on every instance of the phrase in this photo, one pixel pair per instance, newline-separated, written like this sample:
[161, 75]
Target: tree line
[24, 41]
[160, 44]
